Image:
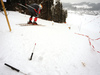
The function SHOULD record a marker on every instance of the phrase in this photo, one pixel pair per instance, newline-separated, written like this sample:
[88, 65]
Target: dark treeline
[49, 12]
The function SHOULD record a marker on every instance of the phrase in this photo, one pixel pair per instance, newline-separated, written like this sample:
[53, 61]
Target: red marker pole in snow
[32, 52]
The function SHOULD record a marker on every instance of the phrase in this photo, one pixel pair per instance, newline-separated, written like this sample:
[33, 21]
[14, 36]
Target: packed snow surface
[61, 49]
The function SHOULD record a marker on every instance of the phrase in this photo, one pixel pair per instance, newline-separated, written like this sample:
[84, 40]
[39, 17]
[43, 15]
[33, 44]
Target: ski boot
[30, 22]
[34, 23]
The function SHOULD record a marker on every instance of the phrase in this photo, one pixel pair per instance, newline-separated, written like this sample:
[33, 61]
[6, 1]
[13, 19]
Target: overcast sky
[78, 1]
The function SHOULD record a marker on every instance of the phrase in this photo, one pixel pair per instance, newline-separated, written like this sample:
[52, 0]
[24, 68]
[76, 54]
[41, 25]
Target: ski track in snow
[58, 51]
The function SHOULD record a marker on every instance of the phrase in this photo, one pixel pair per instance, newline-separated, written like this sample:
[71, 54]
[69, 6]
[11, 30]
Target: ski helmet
[40, 5]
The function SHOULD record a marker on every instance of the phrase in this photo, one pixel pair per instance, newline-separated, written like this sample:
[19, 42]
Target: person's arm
[39, 10]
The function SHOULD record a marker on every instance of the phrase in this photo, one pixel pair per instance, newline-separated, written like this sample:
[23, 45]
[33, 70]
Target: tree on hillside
[58, 14]
[46, 11]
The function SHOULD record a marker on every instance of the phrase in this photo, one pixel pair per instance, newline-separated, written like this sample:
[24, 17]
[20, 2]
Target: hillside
[83, 8]
[59, 50]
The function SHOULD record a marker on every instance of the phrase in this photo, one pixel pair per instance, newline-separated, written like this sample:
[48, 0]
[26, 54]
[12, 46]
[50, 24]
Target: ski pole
[43, 1]
[30, 6]
[22, 5]
[32, 52]
[25, 6]
[13, 68]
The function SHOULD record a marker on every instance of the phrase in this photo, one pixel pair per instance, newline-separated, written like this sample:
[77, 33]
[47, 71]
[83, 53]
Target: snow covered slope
[58, 51]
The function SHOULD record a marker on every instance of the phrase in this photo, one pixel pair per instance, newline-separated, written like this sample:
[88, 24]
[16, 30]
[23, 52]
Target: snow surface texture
[61, 49]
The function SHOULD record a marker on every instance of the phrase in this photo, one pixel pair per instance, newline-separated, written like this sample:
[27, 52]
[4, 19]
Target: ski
[25, 24]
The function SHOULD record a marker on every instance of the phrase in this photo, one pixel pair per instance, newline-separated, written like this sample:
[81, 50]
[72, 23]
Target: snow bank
[58, 51]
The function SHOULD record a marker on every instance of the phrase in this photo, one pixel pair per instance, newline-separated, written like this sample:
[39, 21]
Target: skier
[34, 10]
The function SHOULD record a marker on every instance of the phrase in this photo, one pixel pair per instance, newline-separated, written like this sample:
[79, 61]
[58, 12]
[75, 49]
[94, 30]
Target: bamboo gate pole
[6, 14]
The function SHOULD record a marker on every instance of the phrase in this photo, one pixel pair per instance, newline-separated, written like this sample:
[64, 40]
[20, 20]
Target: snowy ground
[58, 51]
